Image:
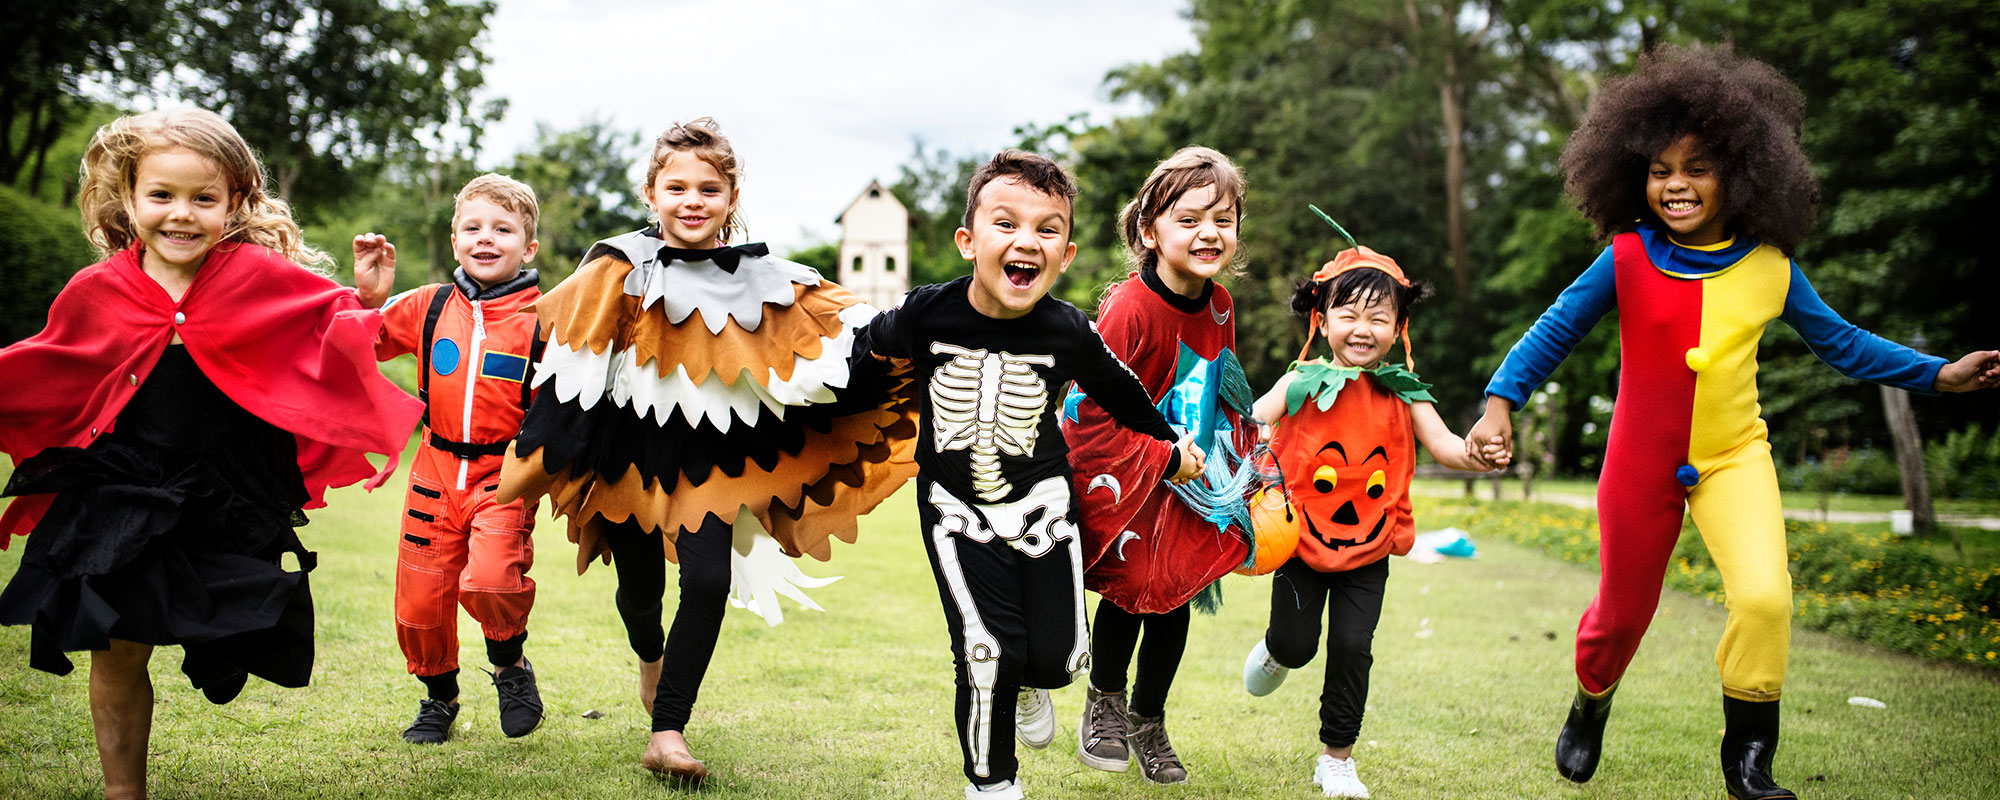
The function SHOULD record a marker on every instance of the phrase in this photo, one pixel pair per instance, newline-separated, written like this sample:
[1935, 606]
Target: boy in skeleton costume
[994, 495]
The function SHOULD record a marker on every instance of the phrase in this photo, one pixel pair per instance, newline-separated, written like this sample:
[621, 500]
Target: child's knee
[1293, 649]
[1765, 604]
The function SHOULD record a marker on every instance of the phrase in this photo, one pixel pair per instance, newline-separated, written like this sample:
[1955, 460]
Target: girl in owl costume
[704, 404]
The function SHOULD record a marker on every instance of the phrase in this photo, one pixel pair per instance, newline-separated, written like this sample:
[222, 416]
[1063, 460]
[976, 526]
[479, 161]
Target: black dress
[169, 530]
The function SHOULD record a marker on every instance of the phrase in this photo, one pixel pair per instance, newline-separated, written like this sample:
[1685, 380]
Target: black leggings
[1115, 634]
[642, 583]
[1298, 592]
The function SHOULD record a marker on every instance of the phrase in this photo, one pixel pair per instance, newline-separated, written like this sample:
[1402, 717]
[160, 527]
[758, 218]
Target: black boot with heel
[1582, 737]
[1749, 740]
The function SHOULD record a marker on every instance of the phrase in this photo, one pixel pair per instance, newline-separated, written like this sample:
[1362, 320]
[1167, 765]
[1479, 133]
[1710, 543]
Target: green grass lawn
[1471, 677]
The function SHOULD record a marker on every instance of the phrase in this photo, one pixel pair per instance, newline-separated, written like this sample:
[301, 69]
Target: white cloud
[817, 97]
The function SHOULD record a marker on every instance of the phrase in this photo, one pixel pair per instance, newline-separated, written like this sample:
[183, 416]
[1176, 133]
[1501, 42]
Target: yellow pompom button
[1697, 359]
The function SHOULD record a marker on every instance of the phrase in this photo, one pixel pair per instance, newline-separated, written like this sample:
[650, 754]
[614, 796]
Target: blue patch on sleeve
[444, 357]
[505, 366]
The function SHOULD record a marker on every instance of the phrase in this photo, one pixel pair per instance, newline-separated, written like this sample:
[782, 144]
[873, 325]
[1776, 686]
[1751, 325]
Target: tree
[583, 178]
[46, 51]
[320, 87]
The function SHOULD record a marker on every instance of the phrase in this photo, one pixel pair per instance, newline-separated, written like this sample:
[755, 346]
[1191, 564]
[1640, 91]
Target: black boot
[1582, 737]
[1749, 740]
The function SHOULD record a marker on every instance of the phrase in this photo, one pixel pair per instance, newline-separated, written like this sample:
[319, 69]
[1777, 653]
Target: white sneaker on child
[1261, 674]
[1335, 777]
[1034, 718]
[1006, 790]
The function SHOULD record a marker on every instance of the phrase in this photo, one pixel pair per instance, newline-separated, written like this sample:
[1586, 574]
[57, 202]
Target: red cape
[293, 348]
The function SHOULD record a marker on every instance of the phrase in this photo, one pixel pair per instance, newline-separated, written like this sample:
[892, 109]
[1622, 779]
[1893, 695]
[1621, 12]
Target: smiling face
[1344, 503]
[1018, 245]
[1683, 190]
[1194, 238]
[489, 241]
[1361, 330]
[692, 200]
[180, 205]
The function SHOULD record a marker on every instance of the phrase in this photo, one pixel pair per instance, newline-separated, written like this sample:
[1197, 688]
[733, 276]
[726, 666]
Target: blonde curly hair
[111, 165]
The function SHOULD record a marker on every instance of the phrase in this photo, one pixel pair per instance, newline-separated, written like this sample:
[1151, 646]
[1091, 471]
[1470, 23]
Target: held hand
[1977, 370]
[1491, 439]
[374, 269]
[1191, 460]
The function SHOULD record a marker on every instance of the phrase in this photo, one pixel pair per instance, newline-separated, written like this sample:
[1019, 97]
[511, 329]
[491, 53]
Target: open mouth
[1681, 208]
[1206, 253]
[176, 236]
[1337, 544]
[693, 222]
[1022, 276]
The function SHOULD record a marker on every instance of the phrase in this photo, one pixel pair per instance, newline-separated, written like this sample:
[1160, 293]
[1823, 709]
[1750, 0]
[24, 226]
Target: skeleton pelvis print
[989, 403]
[1033, 524]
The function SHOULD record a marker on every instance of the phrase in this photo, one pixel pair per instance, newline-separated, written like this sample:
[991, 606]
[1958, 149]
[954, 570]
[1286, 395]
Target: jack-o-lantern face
[1343, 496]
[1348, 471]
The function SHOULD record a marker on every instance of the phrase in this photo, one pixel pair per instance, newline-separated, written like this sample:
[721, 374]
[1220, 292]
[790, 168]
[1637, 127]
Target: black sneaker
[520, 701]
[433, 724]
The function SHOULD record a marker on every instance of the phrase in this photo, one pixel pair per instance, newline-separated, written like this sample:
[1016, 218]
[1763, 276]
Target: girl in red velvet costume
[192, 393]
[1147, 552]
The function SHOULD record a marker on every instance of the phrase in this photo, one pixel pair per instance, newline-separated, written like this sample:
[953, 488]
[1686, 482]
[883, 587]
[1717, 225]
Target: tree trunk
[1910, 461]
[1454, 180]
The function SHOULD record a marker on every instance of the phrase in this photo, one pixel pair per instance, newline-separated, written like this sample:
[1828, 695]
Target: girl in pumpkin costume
[1344, 434]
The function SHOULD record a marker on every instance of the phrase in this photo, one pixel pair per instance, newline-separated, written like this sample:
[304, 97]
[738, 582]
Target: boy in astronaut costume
[459, 544]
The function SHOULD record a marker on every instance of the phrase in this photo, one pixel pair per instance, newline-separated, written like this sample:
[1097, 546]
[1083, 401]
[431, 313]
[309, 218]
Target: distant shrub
[1965, 463]
[41, 246]
[1866, 471]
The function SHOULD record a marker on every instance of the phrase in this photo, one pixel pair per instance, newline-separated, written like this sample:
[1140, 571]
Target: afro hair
[1745, 118]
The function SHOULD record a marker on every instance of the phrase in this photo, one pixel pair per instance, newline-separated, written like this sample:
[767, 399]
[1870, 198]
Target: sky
[818, 98]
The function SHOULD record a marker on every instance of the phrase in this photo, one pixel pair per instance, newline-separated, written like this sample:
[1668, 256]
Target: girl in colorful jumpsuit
[1147, 552]
[1702, 149]
[1345, 432]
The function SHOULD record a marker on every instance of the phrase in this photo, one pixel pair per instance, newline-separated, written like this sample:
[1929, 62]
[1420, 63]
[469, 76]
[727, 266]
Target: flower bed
[1858, 581]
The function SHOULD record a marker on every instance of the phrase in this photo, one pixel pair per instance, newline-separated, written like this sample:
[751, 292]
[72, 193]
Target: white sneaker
[1010, 790]
[1261, 675]
[1034, 718]
[1335, 777]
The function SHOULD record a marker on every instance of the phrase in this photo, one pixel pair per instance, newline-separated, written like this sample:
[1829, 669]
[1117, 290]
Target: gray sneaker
[1157, 762]
[1100, 736]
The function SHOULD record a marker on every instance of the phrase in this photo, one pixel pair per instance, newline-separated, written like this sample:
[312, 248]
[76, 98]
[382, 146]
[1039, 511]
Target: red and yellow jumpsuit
[1686, 435]
[459, 545]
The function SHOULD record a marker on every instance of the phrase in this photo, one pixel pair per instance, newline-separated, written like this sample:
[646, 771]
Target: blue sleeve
[1567, 321]
[1854, 352]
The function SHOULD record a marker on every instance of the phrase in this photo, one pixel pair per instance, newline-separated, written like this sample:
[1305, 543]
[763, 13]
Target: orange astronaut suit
[459, 544]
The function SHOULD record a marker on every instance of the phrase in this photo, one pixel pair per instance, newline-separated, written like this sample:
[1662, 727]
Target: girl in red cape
[191, 394]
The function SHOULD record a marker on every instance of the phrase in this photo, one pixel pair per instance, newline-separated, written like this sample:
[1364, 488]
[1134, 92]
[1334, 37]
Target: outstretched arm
[1442, 444]
[1977, 370]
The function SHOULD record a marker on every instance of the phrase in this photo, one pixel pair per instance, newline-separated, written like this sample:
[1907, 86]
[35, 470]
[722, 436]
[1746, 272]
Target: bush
[1867, 471]
[1854, 580]
[1965, 464]
[41, 246]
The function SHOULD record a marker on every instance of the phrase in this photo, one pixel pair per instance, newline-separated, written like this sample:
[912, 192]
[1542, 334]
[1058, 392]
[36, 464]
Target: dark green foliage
[824, 257]
[41, 246]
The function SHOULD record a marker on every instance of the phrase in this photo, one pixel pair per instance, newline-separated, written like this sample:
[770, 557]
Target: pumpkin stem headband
[1357, 256]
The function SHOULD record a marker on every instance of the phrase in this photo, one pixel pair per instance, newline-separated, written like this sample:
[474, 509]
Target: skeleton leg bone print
[989, 403]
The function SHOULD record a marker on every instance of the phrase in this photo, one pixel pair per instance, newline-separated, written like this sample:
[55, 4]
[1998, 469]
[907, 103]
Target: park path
[1812, 514]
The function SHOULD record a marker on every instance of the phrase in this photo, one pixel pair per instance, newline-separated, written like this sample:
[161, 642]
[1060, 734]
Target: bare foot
[667, 756]
[649, 686]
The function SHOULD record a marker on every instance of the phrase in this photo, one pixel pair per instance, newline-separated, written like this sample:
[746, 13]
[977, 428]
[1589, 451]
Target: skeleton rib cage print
[990, 403]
